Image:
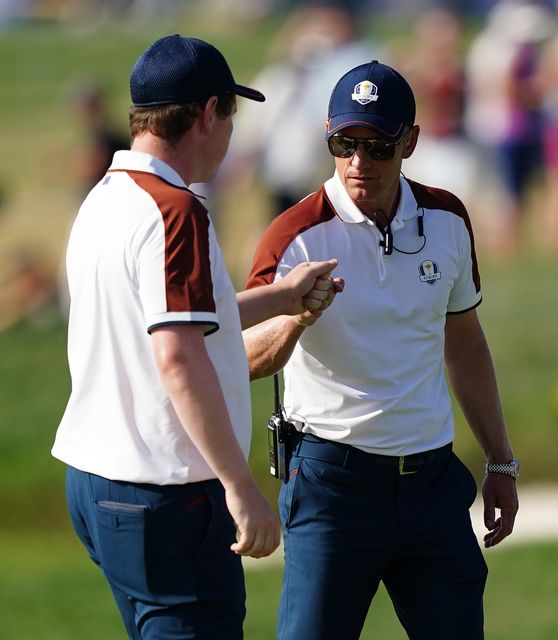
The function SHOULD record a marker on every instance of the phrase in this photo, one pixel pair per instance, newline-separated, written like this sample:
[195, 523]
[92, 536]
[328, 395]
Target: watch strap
[508, 468]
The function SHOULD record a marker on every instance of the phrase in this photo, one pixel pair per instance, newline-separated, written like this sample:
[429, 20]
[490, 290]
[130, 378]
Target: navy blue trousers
[165, 553]
[349, 526]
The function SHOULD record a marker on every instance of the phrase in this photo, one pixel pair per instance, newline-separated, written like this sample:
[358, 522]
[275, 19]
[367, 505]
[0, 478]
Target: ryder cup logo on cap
[365, 92]
[175, 69]
[372, 95]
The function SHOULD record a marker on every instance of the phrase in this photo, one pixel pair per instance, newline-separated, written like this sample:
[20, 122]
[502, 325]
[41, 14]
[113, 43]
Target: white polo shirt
[143, 254]
[370, 372]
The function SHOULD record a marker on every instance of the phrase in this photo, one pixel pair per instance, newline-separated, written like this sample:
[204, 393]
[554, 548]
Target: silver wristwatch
[509, 468]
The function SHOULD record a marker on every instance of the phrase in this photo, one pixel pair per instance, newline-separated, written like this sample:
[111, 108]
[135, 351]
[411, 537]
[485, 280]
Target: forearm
[260, 304]
[471, 373]
[472, 376]
[195, 392]
[269, 345]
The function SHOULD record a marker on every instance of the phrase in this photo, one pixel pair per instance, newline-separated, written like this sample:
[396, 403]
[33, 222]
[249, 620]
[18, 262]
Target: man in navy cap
[373, 491]
[157, 428]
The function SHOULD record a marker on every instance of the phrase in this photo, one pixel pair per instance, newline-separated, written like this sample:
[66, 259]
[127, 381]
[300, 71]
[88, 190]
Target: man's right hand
[258, 527]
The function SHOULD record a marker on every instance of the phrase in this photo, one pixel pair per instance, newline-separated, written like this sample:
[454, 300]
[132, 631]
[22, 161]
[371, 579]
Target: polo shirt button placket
[377, 239]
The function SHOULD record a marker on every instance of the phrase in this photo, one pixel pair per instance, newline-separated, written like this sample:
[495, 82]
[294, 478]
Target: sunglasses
[343, 147]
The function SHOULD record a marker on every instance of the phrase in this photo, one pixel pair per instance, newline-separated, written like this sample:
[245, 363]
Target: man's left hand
[499, 491]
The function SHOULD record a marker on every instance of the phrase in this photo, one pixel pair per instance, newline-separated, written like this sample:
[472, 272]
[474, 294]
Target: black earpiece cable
[387, 237]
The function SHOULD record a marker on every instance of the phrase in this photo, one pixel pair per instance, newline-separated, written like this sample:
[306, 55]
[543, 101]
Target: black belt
[308, 445]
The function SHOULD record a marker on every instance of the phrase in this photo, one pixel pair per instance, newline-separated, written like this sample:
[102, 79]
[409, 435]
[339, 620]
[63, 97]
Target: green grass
[34, 384]
[51, 590]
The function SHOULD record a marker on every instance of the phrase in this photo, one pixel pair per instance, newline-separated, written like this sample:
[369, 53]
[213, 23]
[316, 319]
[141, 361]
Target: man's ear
[209, 115]
[411, 141]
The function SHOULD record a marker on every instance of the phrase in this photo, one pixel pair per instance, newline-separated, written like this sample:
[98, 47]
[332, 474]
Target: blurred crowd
[138, 12]
[486, 103]
[485, 76]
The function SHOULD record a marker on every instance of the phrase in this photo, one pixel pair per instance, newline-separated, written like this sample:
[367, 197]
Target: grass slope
[51, 590]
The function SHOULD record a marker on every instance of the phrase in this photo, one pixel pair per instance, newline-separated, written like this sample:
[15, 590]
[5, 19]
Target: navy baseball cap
[176, 69]
[372, 95]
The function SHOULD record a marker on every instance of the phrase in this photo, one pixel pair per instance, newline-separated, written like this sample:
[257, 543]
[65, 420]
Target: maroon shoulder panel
[188, 280]
[307, 213]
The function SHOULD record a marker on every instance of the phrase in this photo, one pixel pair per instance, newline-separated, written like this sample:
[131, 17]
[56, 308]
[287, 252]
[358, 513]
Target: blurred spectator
[100, 137]
[504, 107]
[283, 143]
[434, 65]
[438, 72]
[3, 197]
[14, 11]
[27, 290]
[129, 14]
[548, 82]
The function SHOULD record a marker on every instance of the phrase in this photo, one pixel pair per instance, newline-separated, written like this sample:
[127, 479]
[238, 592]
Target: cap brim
[384, 127]
[246, 92]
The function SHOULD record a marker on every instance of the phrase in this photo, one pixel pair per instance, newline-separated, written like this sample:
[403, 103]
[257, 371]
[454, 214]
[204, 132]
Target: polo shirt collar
[145, 162]
[347, 210]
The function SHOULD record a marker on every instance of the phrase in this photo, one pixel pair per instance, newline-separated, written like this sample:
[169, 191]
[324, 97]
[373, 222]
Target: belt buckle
[402, 471]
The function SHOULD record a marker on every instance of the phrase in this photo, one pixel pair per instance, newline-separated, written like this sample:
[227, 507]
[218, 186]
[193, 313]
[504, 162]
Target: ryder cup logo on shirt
[365, 92]
[429, 272]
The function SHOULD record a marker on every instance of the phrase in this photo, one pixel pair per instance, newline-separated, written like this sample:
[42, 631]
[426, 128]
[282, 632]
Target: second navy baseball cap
[372, 95]
[176, 69]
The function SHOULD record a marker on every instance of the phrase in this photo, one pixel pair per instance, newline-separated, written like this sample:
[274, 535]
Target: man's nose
[360, 157]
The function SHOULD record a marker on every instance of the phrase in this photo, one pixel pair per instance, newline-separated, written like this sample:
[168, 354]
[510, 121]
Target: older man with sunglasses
[373, 491]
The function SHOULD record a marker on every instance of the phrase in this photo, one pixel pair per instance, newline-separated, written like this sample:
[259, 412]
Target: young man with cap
[157, 428]
[373, 490]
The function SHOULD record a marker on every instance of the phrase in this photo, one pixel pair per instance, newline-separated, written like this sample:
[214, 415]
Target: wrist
[238, 484]
[299, 323]
[498, 452]
[237, 476]
[510, 468]
[304, 322]
[281, 298]
[500, 457]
